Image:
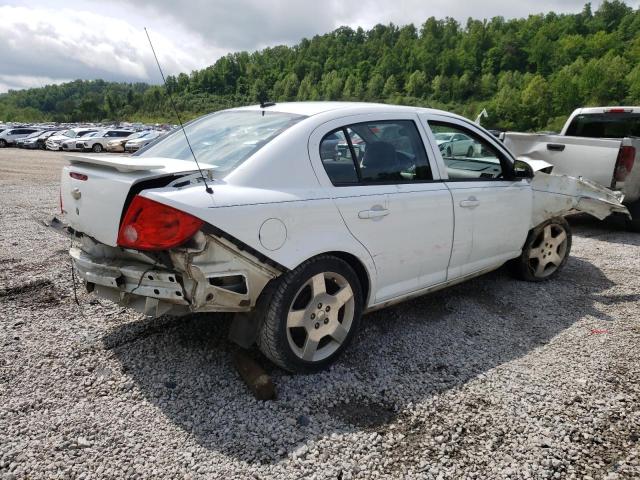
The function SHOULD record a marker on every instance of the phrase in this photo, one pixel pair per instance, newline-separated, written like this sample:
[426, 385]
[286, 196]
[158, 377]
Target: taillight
[624, 164]
[149, 225]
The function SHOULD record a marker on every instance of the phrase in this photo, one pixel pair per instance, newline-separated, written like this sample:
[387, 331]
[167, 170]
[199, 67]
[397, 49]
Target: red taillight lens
[149, 225]
[624, 164]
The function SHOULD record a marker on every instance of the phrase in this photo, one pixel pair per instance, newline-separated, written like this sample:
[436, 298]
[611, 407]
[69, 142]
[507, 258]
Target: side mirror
[522, 169]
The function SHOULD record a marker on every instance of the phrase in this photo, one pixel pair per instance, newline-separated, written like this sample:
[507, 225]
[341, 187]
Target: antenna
[175, 109]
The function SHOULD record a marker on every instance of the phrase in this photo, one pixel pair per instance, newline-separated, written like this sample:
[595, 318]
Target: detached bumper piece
[147, 289]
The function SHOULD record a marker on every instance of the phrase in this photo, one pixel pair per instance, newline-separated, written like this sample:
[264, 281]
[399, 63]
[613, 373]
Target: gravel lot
[493, 378]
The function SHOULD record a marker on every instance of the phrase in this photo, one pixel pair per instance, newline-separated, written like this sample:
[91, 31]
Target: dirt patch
[365, 414]
[37, 294]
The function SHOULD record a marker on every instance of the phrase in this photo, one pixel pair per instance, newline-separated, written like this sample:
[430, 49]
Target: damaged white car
[316, 213]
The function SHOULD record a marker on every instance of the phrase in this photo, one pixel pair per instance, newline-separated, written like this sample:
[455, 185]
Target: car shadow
[612, 229]
[403, 354]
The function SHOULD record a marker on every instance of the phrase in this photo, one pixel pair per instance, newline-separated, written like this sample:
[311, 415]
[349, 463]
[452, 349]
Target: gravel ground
[493, 378]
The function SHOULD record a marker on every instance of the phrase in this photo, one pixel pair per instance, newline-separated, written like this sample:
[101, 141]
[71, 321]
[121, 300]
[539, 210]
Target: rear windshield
[224, 139]
[603, 125]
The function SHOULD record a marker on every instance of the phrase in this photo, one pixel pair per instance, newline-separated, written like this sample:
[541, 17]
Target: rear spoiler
[120, 163]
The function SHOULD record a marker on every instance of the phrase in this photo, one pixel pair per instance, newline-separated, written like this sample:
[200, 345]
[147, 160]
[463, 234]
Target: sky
[53, 42]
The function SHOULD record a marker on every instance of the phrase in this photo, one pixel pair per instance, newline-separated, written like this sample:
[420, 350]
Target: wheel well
[360, 270]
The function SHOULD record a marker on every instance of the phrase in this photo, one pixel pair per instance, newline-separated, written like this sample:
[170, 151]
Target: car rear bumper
[151, 290]
[214, 276]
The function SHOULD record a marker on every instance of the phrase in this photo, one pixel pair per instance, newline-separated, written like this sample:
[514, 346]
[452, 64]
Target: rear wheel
[470, 152]
[545, 252]
[311, 315]
[3, 143]
[97, 148]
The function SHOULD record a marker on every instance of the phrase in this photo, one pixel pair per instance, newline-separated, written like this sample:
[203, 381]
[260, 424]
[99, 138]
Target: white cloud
[54, 44]
[45, 42]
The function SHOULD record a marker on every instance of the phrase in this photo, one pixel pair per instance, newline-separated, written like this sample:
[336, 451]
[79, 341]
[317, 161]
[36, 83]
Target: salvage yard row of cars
[303, 216]
[87, 138]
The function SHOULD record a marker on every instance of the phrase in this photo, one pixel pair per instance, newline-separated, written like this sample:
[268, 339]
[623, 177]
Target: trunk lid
[95, 189]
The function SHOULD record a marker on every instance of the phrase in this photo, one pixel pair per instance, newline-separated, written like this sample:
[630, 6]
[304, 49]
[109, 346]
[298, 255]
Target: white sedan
[299, 232]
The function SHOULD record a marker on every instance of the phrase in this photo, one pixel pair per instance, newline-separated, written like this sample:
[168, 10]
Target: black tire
[525, 266]
[633, 223]
[97, 148]
[470, 152]
[448, 152]
[276, 337]
[3, 143]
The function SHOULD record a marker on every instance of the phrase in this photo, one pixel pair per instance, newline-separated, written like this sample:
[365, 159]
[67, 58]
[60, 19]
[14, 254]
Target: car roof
[315, 108]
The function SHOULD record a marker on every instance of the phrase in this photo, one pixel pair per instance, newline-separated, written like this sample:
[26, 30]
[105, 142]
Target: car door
[492, 208]
[390, 197]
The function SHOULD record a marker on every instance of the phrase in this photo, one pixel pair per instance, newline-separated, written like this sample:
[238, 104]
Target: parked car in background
[8, 137]
[454, 144]
[54, 142]
[77, 144]
[601, 144]
[117, 145]
[97, 143]
[136, 144]
[303, 237]
[21, 141]
[39, 141]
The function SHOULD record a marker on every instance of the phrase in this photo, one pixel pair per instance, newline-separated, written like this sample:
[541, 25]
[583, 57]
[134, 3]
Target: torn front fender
[557, 195]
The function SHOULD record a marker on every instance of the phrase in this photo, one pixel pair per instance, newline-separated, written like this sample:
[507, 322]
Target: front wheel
[311, 315]
[3, 143]
[97, 148]
[545, 252]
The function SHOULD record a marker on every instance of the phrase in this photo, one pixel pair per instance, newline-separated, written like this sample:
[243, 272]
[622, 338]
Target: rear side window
[374, 153]
[603, 125]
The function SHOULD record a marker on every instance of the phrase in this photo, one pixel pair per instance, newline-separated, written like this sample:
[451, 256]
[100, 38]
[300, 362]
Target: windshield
[224, 139]
[35, 134]
[602, 125]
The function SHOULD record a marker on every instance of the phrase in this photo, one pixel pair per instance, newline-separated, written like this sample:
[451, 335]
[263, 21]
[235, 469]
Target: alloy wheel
[548, 251]
[320, 316]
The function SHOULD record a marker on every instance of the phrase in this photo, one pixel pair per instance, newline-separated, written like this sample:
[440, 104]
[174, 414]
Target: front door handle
[382, 212]
[470, 202]
[555, 147]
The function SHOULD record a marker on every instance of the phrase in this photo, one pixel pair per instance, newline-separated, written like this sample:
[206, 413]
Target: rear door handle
[383, 212]
[470, 202]
[555, 147]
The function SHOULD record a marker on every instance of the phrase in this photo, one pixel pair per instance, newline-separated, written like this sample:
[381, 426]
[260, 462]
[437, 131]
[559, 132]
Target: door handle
[364, 214]
[555, 147]
[470, 202]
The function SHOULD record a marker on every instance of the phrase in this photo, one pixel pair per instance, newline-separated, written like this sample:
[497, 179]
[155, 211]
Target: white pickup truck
[600, 144]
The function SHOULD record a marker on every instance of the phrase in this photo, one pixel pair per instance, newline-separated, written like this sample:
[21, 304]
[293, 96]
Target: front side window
[375, 152]
[224, 139]
[466, 155]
